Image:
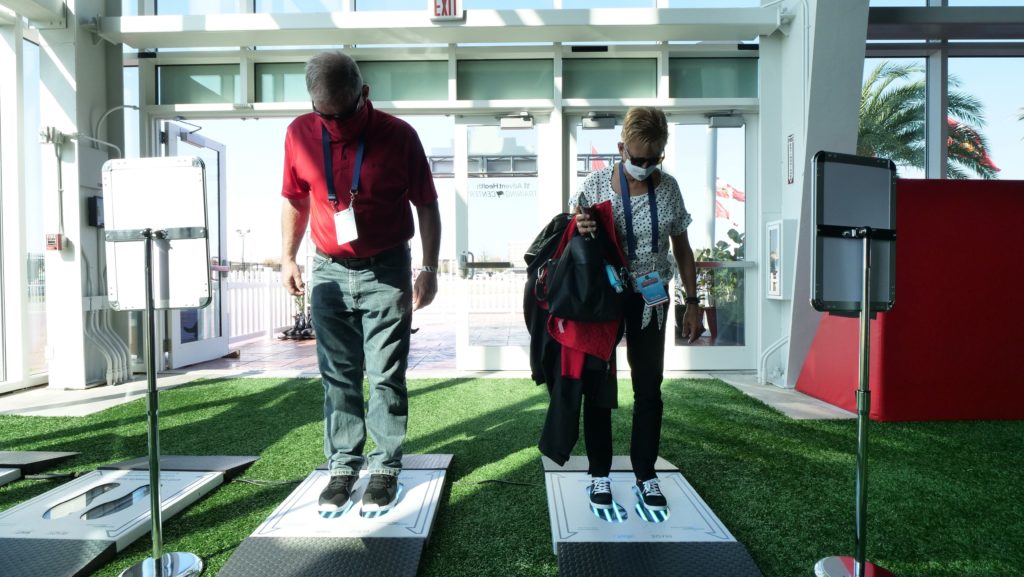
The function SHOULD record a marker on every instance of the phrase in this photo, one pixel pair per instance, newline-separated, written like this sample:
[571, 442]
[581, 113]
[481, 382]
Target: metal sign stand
[845, 566]
[170, 564]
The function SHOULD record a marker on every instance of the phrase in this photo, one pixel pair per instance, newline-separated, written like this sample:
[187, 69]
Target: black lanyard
[627, 210]
[329, 168]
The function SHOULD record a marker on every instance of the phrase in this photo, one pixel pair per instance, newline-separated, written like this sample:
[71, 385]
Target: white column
[819, 63]
[936, 99]
[73, 95]
[12, 192]
[711, 172]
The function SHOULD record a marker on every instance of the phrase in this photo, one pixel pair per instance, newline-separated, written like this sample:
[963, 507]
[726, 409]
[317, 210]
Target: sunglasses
[344, 116]
[642, 161]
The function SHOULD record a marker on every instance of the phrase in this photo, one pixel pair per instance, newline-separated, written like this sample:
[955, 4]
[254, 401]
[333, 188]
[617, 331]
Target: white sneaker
[601, 493]
[650, 493]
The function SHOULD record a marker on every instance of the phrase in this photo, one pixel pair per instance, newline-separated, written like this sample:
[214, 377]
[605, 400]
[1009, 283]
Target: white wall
[812, 74]
[73, 95]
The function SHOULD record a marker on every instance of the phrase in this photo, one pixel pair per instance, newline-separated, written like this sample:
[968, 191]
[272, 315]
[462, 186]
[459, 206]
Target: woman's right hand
[585, 224]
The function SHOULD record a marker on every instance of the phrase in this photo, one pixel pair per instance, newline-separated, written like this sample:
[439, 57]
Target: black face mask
[348, 126]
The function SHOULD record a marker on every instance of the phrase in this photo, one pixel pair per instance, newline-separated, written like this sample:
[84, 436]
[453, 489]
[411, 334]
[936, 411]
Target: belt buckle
[358, 263]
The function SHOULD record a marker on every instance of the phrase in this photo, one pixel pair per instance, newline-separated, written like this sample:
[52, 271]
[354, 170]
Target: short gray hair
[333, 77]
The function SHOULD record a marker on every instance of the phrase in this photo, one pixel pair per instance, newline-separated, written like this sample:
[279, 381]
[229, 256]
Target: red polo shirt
[394, 173]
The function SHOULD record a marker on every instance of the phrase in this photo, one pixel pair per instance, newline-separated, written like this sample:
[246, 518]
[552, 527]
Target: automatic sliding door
[710, 166]
[499, 218]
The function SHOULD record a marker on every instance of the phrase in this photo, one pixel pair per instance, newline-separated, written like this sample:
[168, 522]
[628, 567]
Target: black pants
[645, 349]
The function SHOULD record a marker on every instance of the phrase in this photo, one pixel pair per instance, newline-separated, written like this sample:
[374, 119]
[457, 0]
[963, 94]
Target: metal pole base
[843, 567]
[171, 565]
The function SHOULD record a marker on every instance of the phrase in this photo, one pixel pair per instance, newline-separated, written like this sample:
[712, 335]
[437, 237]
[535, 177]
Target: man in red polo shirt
[355, 171]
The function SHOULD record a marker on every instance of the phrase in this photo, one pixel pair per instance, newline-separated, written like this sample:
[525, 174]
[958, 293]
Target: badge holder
[652, 289]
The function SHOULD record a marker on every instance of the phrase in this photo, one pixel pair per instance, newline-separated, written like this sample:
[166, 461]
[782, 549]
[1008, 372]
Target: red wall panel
[953, 346]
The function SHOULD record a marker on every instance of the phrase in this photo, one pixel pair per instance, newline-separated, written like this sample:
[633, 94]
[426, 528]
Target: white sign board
[159, 194]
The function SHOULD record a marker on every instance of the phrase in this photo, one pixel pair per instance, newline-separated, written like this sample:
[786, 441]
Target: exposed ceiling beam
[415, 27]
[7, 17]
[37, 10]
[946, 23]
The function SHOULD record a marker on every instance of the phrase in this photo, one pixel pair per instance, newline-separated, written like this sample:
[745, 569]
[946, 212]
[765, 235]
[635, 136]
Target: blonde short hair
[645, 125]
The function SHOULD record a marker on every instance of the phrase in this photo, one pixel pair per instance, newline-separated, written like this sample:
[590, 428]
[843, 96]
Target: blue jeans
[362, 316]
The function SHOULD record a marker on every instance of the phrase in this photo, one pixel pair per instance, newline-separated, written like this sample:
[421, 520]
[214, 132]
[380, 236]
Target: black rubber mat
[417, 462]
[617, 559]
[53, 557]
[230, 465]
[324, 557]
[32, 461]
[620, 464]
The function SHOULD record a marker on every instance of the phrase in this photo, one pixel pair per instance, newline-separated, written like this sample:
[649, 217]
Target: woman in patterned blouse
[649, 215]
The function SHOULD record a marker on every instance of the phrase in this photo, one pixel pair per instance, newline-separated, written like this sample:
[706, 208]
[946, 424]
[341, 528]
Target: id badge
[345, 226]
[651, 288]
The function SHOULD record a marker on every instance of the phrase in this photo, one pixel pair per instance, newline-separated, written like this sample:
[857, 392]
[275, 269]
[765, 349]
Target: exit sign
[445, 9]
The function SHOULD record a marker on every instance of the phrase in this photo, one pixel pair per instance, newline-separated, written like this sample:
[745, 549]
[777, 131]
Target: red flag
[720, 189]
[720, 211]
[969, 141]
[726, 190]
[596, 163]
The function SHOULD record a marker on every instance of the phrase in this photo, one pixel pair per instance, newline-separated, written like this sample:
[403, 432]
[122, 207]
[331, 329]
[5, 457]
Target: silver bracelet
[428, 268]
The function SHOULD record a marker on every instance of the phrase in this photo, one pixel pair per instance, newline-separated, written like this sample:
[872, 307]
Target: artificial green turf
[945, 497]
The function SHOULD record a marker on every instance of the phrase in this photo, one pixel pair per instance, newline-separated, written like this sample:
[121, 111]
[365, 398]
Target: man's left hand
[424, 290]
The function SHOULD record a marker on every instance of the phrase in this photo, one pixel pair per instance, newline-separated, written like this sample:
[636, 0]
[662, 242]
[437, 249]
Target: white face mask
[637, 172]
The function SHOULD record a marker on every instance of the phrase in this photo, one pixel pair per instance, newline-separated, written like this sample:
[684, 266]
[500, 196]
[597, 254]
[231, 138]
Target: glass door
[499, 210]
[711, 165]
[196, 335]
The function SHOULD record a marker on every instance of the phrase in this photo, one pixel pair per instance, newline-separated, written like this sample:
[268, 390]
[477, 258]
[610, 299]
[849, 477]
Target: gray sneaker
[335, 496]
[381, 493]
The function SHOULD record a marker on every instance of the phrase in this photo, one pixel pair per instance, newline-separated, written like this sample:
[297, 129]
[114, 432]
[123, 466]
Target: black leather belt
[365, 262]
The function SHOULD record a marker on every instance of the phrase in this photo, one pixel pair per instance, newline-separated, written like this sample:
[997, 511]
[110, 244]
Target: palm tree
[892, 108]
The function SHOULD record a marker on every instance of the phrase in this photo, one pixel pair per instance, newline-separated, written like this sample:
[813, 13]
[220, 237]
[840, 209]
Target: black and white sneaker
[601, 493]
[381, 493]
[335, 497]
[650, 493]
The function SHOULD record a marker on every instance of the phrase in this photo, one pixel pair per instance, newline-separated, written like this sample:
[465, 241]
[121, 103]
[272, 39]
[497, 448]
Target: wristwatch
[692, 300]
[428, 268]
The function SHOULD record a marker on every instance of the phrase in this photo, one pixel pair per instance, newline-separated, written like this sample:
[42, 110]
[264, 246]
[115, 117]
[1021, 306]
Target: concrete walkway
[431, 355]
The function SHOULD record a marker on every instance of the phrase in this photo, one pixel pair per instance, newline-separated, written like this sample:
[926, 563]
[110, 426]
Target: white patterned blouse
[673, 219]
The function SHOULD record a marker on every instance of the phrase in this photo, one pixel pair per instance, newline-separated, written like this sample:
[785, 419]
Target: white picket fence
[259, 306]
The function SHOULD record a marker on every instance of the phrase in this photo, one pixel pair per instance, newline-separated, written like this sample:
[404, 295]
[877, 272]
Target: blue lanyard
[332, 194]
[627, 209]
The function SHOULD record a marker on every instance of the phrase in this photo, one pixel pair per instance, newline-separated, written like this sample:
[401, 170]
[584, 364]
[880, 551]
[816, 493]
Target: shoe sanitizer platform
[16, 464]
[296, 541]
[629, 539]
[72, 530]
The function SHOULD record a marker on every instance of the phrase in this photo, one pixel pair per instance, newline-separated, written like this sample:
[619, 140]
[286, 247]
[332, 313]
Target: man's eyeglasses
[344, 116]
[642, 161]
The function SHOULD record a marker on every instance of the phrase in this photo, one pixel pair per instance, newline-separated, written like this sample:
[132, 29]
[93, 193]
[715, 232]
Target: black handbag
[576, 286]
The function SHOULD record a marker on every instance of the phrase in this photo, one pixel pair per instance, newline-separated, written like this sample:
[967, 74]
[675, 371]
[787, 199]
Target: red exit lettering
[444, 7]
